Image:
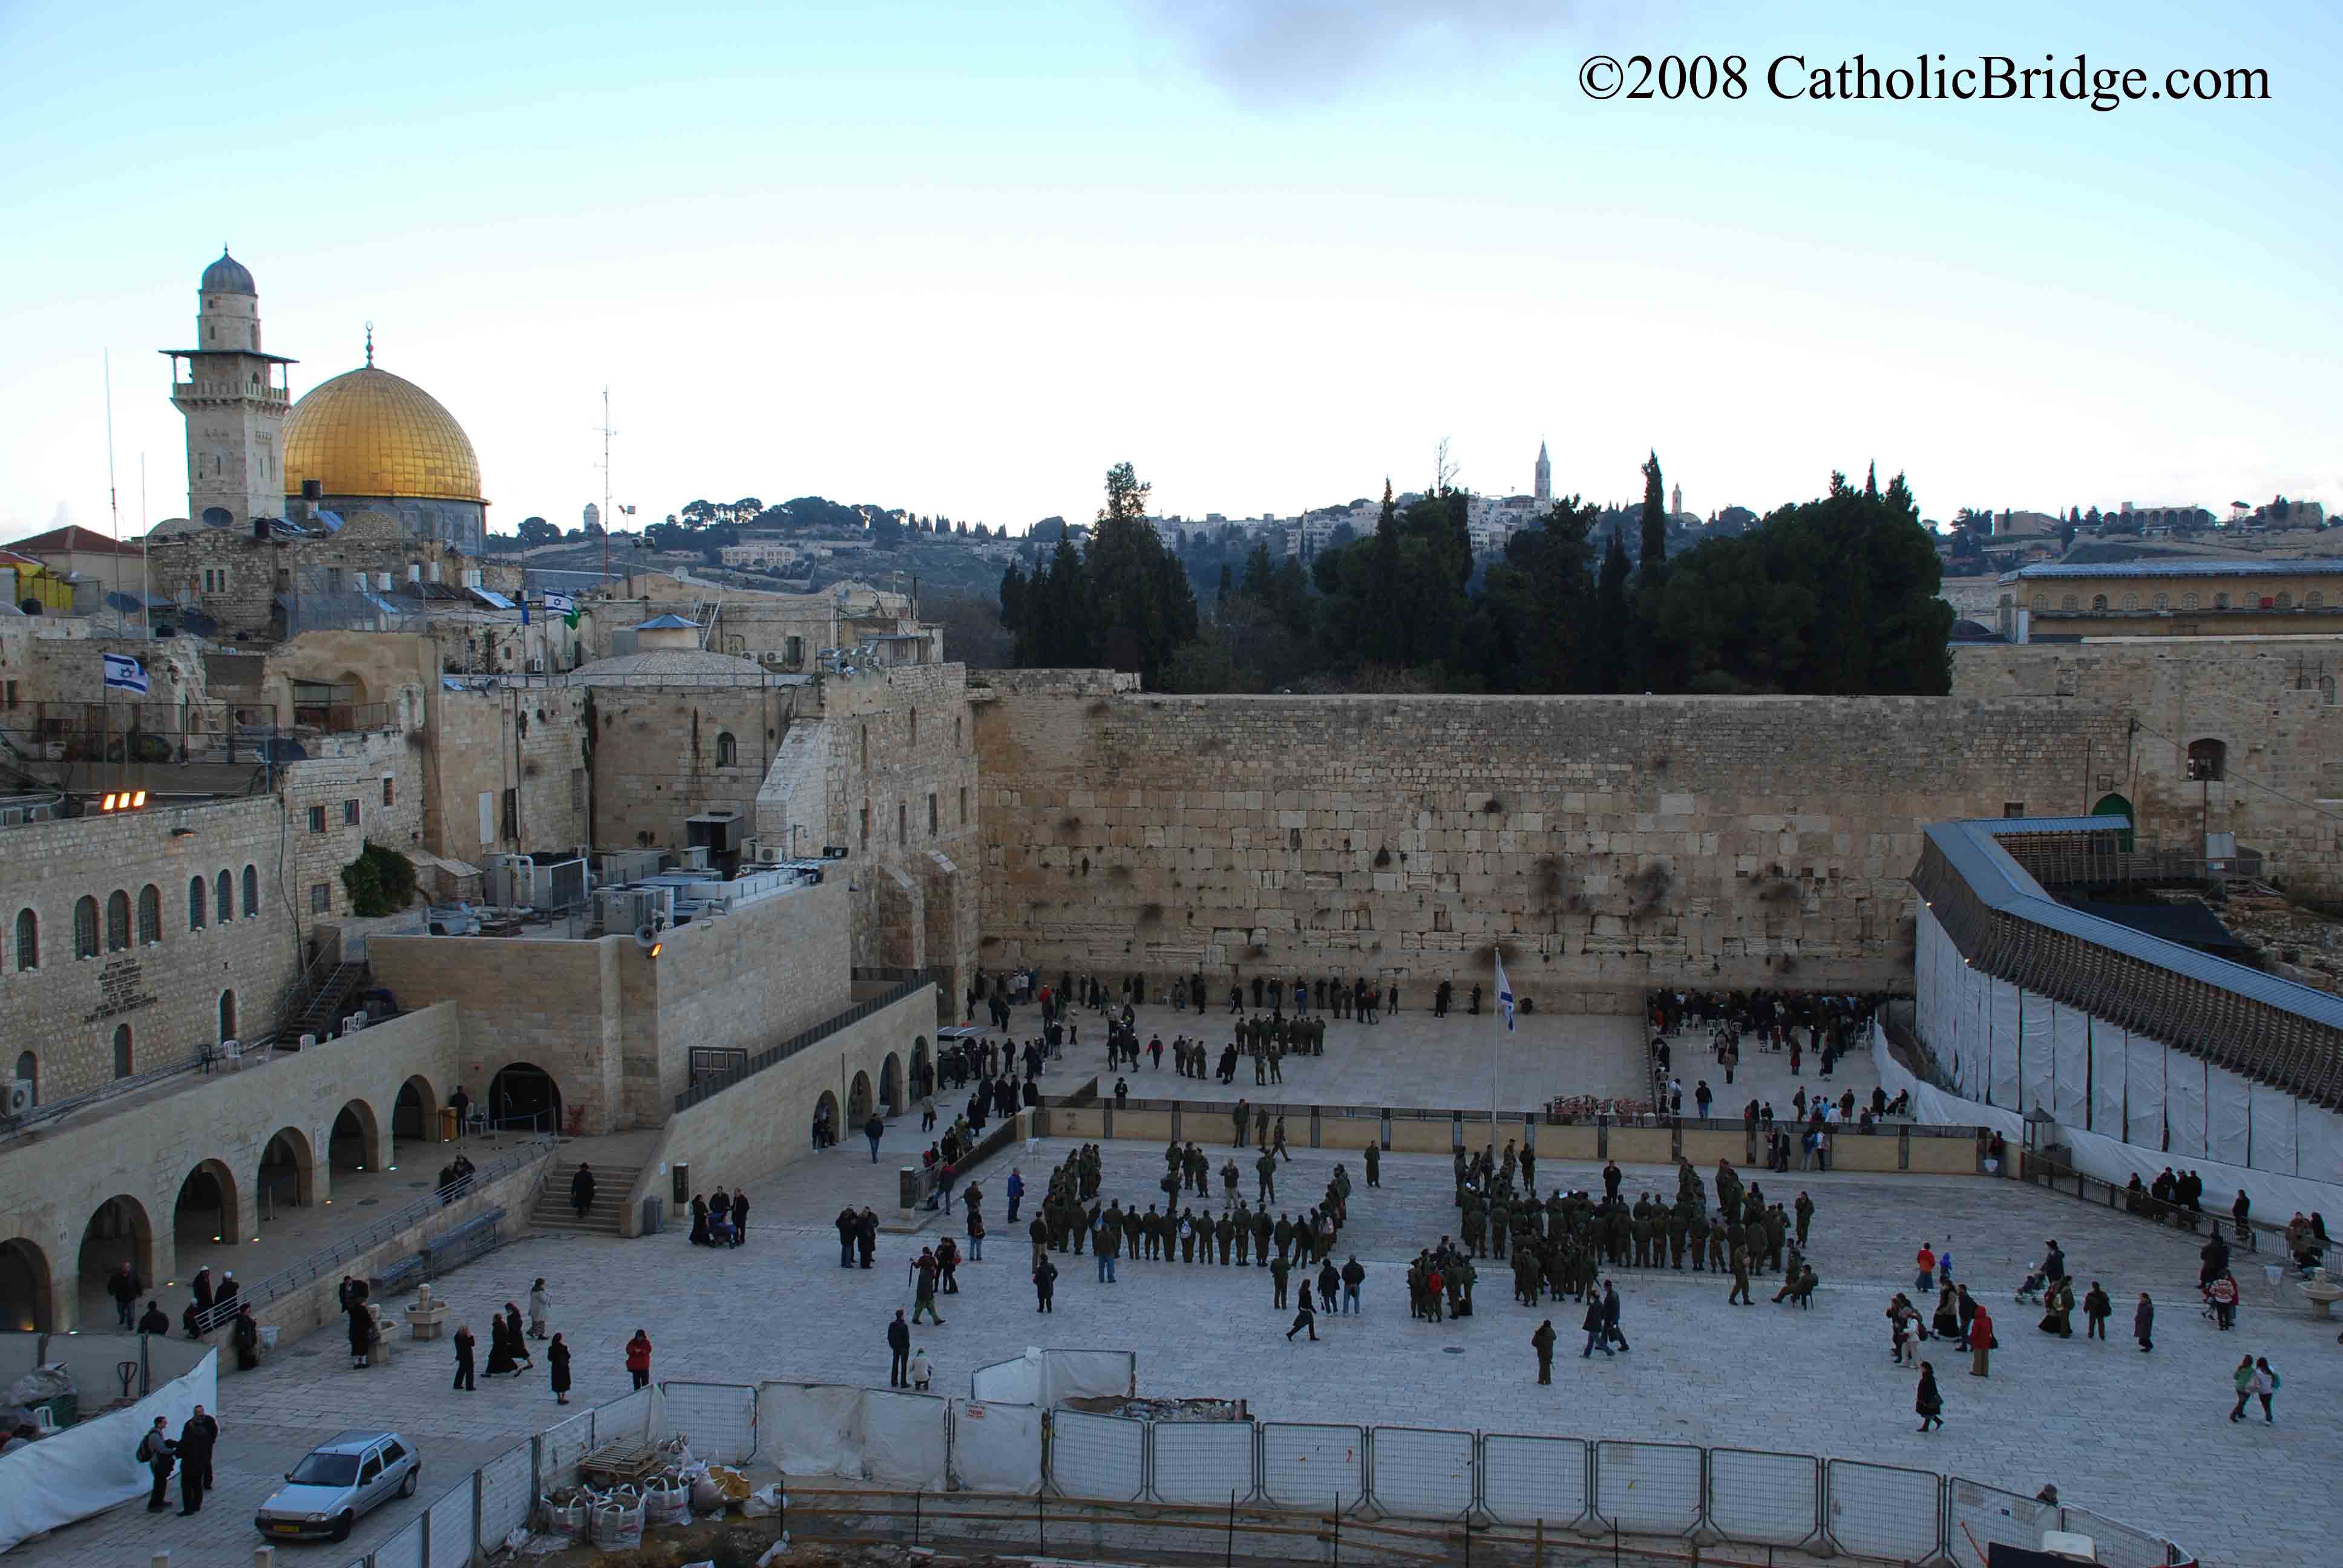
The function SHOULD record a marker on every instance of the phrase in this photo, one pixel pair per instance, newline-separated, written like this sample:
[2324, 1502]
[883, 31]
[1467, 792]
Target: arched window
[2069, 604]
[85, 928]
[28, 1070]
[150, 915]
[2284, 600]
[224, 900]
[2314, 599]
[227, 1015]
[727, 750]
[2221, 601]
[2041, 603]
[2098, 602]
[118, 920]
[28, 942]
[122, 1064]
[251, 892]
[2131, 601]
[2188, 602]
[2164, 601]
[2207, 759]
[196, 901]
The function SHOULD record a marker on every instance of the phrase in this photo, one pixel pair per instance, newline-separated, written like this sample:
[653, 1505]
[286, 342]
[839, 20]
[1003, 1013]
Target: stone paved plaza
[2139, 1437]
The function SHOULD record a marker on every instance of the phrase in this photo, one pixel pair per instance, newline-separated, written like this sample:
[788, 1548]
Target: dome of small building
[369, 433]
[672, 667]
[228, 276]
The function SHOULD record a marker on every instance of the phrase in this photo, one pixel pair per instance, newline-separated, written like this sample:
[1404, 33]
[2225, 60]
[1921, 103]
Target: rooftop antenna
[606, 434]
[113, 502]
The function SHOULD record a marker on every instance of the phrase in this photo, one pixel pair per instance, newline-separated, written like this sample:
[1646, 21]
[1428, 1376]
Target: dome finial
[369, 344]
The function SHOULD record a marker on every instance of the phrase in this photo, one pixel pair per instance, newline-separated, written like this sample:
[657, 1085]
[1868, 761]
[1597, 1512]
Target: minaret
[1544, 490]
[235, 400]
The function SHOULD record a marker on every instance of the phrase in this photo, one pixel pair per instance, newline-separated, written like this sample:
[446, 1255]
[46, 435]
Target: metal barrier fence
[1629, 1500]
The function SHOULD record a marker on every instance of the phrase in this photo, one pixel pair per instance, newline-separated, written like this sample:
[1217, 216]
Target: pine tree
[1655, 518]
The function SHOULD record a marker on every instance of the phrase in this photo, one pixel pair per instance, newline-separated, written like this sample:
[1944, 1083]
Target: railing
[798, 1042]
[200, 1059]
[325, 1261]
[2060, 1177]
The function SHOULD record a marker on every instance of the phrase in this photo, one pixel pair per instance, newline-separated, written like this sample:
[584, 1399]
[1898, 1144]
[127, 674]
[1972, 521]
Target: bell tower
[234, 398]
[1541, 490]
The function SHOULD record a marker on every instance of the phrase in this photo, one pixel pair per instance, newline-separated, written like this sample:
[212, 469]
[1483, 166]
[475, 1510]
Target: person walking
[1541, 1342]
[581, 1189]
[1610, 1316]
[1596, 1339]
[2096, 1309]
[2247, 1377]
[195, 1441]
[2266, 1382]
[874, 1129]
[1980, 1340]
[1374, 1165]
[1016, 1192]
[1928, 1402]
[125, 1287]
[158, 1454]
[1354, 1274]
[467, 1373]
[1304, 1318]
[639, 1359]
[556, 1364]
[899, 1347]
[540, 1309]
[2143, 1323]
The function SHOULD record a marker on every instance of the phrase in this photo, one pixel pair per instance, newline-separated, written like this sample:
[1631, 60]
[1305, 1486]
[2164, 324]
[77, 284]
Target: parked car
[338, 1481]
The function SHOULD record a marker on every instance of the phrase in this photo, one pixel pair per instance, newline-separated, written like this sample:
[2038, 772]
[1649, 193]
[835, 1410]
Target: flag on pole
[124, 673]
[562, 605]
[1505, 993]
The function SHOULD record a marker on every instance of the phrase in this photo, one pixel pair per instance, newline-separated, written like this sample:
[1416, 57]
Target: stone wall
[529, 740]
[64, 1011]
[1607, 843]
[2271, 702]
[134, 1158]
[352, 790]
[659, 755]
[235, 577]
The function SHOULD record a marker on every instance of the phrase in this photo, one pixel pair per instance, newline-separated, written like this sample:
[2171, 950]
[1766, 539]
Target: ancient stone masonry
[1606, 843]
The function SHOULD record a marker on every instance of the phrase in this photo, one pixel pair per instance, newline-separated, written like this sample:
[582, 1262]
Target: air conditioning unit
[632, 908]
[694, 858]
[536, 666]
[20, 1097]
[761, 852]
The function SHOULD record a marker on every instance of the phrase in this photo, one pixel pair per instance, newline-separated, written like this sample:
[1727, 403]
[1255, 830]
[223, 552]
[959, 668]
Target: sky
[963, 257]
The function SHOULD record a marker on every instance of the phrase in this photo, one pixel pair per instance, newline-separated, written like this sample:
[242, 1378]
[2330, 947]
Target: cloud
[1270, 51]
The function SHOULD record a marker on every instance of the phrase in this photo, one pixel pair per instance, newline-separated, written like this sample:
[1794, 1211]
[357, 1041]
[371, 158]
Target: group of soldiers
[1070, 1216]
[1562, 1243]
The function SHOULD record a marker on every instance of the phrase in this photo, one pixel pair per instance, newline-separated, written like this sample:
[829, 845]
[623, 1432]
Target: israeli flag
[1504, 994]
[124, 673]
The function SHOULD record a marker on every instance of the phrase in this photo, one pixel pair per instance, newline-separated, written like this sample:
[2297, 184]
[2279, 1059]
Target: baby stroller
[2035, 1281]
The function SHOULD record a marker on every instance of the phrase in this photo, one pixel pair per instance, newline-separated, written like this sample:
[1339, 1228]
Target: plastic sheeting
[2107, 1069]
[2229, 1116]
[2318, 1145]
[2274, 1197]
[903, 1439]
[2038, 1057]
[2274, 1113]
[2184, 1105]
[2066, 1035]
[2143, 1089]
[997, 1447]
[1009, 1383]
[1931, 1106]
[1048, 1378]
[90, 1467]
[2001, 1012]
[810, 1429]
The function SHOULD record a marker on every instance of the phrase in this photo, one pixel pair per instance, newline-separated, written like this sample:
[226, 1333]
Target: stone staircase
[611, 1185]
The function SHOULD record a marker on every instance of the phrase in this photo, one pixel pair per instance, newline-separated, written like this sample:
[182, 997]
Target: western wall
[1608, 843]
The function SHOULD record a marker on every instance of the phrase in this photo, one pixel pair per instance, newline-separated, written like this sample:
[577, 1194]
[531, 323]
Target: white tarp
[1016, 1382]
[92, 1467]
[2001, 1006]
[997, 1447]
[2143, 1090]
[2184, 1105]
[1088, 1375]
[2068, 1034]
[2037, 1057]
[903, 1439]
[2106, 1043]
[2318, 1145]
[2274, 1197]
[2229, 1116]
[1933, 1107]
[810, 1429]
[1928, 998]
[2274, 1114]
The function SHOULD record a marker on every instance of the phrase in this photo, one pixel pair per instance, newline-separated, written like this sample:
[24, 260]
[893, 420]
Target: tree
[1654, 551]
[886, 531]
[537, 531]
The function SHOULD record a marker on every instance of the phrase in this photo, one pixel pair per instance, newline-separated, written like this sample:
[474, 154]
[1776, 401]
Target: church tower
[1543, 491]
[235, 399]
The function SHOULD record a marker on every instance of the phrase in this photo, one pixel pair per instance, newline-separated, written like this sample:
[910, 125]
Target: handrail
[2059, 1176]
[798, 1042]
[285, 1281]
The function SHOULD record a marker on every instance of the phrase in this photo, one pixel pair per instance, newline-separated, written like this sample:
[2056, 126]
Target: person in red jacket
[639, 1359]
[1980, 1340]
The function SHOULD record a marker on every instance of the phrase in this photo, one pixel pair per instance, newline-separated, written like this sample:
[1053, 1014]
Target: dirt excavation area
[733, 1543]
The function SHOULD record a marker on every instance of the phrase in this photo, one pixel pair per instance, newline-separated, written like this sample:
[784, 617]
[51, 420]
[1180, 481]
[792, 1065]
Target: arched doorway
[890, 1084]
[524, 1097]
[227, 1015]
[414, 1114]
[124, 1061]
[23, 1288]
[857, 1101]
[2113, 805]
[826, 1128]
[922, 1081]
[356, 1142]
[118, 1232]
[205, 1214]
[288, 1171]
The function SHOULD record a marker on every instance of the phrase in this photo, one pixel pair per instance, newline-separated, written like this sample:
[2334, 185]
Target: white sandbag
[707, 1497]
[570, 1521]
[665, 1501]
[763, 1503]
[618, 1519]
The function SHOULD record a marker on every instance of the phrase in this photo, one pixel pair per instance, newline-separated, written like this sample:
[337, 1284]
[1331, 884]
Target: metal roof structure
[2181, 569]
[2270, 1029]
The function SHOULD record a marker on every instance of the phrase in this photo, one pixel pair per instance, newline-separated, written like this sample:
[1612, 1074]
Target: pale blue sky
[961, 258]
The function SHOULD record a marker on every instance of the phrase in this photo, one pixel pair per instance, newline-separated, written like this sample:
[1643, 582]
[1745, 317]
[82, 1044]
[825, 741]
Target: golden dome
[370, 433]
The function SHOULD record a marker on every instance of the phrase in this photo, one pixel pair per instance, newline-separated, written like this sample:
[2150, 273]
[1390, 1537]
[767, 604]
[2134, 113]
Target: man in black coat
[1542, 1341]
[155, 1321]
[125, 1287]
[581, 1189]
[195, 1441]
[1610, 1316]
[1596, 1338]
[899, 1342]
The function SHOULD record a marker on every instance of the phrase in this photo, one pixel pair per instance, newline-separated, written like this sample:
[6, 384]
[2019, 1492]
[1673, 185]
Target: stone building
[2178, 598]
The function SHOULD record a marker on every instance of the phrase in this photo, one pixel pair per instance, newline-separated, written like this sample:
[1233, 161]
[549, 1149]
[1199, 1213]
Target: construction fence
[924, 1469]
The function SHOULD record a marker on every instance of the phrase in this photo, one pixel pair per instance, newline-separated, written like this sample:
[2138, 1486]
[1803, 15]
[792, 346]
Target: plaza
[2137, 1437]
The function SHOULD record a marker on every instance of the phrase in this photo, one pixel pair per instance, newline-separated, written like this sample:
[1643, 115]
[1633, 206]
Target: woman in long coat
[501, 1357]
[557, 1361]
[361, 1333]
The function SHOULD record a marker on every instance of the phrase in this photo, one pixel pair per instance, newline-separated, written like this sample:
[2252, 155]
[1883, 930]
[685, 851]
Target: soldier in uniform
[1265, 1167]
[1224, 1231]
[1262, 1228]
[1717, 1244]
[1501, 1223]
[1804, 1210]
[1640, 1228]
[1740, 1279]
[1529, 1169]
[1229, 1175]
[1243, 1224]
[1278, 1271]
[1679, 1224]
[1474, 1219]
[1277, 1141]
